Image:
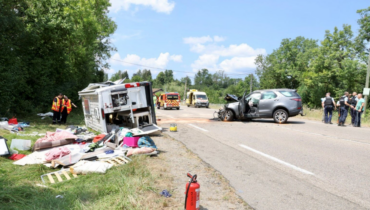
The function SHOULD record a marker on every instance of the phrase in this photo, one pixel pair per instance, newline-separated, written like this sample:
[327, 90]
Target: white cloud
[162, 6]
[197, 40]
[218, 38]
[176, 58]
[131, 59]
[203, 39]
[219, 57]
[237, 63]
[205, 61]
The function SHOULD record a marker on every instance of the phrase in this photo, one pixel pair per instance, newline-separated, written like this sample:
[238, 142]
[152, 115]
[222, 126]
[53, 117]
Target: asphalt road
[299, 165]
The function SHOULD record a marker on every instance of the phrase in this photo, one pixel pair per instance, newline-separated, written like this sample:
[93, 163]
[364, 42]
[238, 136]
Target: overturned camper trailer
[108, 105]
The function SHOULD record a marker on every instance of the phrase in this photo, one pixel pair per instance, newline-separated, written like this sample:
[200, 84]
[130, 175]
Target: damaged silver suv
[279, 104]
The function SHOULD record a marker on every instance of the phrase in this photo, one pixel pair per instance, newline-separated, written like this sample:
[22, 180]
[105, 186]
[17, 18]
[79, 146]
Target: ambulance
[169, 100]
[109, 106]
[197, 99]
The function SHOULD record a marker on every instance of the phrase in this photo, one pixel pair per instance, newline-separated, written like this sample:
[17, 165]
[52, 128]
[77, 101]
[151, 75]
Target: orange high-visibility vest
[68, 104]
[56, 105]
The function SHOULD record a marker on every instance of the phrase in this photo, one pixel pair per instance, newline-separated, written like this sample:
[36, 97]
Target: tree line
[48, 47]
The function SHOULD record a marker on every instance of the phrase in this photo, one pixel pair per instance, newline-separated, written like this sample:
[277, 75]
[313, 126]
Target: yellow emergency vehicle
[197, 99]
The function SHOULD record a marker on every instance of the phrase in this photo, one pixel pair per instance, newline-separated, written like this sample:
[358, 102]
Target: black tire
[178, 108]
[229, 115]
[207, 107]
[280, 116]
[188, 105]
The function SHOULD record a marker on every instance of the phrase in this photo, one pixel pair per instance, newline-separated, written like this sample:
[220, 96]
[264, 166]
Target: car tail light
[299, 108]
[102, 114]
[296, 99]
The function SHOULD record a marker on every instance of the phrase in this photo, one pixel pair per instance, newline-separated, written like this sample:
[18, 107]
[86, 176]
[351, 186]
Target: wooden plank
[121, 158]
[75, 175]
[58, 176]
[66, 175]
[51, 179]
[109, 161]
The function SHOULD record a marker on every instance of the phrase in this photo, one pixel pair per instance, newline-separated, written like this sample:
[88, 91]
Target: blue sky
[188, 35]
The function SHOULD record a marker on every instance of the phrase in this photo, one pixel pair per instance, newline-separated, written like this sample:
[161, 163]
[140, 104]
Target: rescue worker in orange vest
[57, 108]
[66, 109]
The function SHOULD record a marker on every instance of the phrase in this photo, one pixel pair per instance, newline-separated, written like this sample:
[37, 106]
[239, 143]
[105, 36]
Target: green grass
[129, 186]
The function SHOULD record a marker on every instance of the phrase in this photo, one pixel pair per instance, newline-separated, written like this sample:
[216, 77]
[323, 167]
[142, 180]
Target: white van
[108, 105]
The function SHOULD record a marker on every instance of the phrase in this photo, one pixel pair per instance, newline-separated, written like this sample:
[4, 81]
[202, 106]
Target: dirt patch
[174, 161]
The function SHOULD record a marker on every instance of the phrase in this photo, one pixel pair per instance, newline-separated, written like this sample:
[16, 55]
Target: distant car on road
[279, 104]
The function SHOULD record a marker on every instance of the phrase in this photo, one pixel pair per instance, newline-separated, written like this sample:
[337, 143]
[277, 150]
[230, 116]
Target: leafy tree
[119, 75]
[146, 75]
[53, 46]
[136, 78]
[203, 78]
[187, 80]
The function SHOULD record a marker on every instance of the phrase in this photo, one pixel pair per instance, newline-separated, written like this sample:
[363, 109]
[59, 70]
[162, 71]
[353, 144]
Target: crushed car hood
[231, 98]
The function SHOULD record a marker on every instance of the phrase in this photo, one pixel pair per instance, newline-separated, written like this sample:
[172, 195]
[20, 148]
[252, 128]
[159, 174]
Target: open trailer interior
[109, 106]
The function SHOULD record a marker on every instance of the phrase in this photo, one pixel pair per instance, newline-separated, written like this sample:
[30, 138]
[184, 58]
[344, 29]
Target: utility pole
[251, 83]
[367, 81]
[186, 80]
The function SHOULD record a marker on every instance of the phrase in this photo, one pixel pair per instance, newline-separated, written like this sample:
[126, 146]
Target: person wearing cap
[66, 109]
[57, 108]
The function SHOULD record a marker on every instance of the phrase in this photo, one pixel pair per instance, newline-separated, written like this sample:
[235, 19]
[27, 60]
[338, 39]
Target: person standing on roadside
[57, 108]
[353, 103]
[344, 106]
[323, 111]
[328, 104]
[359, 109]
[66, 109]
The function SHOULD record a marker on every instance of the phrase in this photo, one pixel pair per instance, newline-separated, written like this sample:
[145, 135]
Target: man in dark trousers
[353, 103]
[328, 104]
[360, 108]
[57, 108]
[344, 106]
[66, 109]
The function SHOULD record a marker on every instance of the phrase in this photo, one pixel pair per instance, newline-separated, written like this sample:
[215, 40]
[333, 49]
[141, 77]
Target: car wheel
[178, 108]
[207, 107]
[229, 115]
[280, 116]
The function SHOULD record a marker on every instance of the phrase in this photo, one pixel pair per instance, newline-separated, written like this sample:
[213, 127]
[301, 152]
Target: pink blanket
[57, 153]
[56, 136]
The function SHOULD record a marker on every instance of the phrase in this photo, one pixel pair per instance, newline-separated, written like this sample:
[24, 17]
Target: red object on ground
[192, 200]
[13, 121]
[17, 156]
[131, 141]
[98, 138]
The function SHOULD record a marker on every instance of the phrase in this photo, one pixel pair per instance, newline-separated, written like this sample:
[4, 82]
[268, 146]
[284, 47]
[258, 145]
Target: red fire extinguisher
[192, 193]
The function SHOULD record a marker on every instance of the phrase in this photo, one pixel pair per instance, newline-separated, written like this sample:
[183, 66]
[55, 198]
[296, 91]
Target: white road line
[277, 160]
[198, 127]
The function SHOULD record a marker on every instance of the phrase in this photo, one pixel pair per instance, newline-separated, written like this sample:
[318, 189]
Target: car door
[253, 102]
[266, 104]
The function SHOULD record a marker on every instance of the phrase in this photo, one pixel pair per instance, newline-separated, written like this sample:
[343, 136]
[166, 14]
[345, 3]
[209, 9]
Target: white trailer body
[130, 105]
